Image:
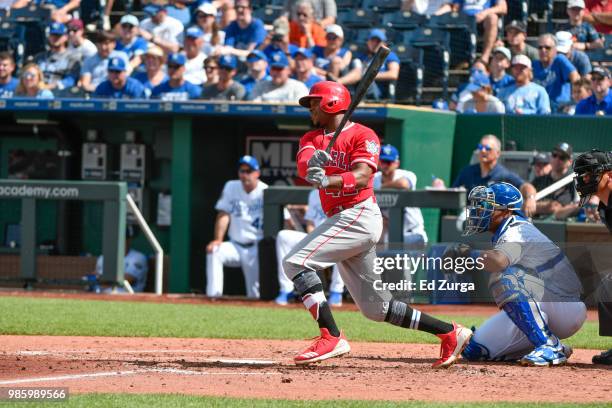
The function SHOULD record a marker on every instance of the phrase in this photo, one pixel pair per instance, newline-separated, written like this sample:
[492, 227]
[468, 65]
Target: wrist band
[349, 182]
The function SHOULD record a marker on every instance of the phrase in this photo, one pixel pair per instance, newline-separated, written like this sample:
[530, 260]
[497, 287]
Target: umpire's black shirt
[605, 213]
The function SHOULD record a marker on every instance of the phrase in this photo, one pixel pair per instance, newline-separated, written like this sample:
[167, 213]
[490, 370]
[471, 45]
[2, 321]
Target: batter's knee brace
[307, 282]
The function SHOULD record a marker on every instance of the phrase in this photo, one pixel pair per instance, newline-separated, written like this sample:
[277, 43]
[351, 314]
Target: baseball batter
[287, 239]
[241, 209]
[349, 235]
[531, 281]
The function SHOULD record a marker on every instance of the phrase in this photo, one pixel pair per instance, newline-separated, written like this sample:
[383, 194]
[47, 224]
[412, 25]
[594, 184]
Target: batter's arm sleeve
[304, 154]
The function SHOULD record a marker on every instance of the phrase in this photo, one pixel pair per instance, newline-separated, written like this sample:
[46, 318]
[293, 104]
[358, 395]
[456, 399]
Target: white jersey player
[531, 281]
[287, 239]
[241, 208]
[391, 176]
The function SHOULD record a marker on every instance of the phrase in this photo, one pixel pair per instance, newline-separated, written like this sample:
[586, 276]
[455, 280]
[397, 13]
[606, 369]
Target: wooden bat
[364, 84]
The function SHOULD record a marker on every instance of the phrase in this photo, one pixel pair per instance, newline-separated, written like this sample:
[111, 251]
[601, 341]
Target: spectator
[325, 11]
[581, 89]
[391, 176]
[485, 12]
[194, 67]
[176, 88]
[599, 13]
[480, 99]
[178, 10]
[278, 40]
[245, 33]
[161, 29]
[498, 65]
[8, 83]
[206, 20]
[563, 202]
[119, 85]
[524, 97]
[32, 83]
[211, 67]
[554, 72]
[585, 36]
[280, 88]
[462, 94]
[489, 171]
[304, 31]
[227, 13]
[516, 36]
[94, 69]
[60, 67]
[154, 73]
[241, 208]
[257, 71]
[600, 103]
[303, 70]
[60, 9]
[332, 60]
[77, 43]
[540, 165]
[130, 42]
[424, 7]
[578, 58]
[226, 89]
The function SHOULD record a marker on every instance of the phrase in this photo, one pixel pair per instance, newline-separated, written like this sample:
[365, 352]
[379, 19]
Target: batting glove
[320, 158]
[316, 176]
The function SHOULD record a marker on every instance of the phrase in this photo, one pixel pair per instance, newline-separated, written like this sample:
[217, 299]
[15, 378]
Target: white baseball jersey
[245, 210]
[413, 218]
[135, 264]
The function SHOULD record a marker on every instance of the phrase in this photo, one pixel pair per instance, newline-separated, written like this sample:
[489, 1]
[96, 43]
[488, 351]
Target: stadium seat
[607, 40]
[346, 5]
[433, 55]
[462, 39]
[409, 88]
[601, 55]
[41, 15]
[382, 5]
[360, 18]
[91, 11]
[257, 4]
[7, 33]
[268, 14]
[404, 20]
[517, 10]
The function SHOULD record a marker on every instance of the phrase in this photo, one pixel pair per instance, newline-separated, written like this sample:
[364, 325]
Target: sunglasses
[559, 156]
[331, 37]
[127, 26]
[114, 72]
[386, 161]
[480, 146]
[174, 66]
[544, 47]
[245, 171]
[597, 78]
[203, 15]
[303, 15]
[29, 75]
[73, 30]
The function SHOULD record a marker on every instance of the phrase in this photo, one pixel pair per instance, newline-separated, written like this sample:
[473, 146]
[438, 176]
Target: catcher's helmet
[588, 168]
[483, 200]
[335, 98]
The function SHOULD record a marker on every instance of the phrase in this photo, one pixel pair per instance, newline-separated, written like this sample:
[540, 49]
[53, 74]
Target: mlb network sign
[276, 157]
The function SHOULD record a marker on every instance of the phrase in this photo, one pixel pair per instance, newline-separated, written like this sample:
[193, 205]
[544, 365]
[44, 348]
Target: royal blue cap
[377, 33]
[177, 59]
[194, 32]
[389, 153]
[256, 55]
[249, 161]
[477, 81]
[228, 61]
[117, 64]
[279, 60]
[302, 51]
[57, 29]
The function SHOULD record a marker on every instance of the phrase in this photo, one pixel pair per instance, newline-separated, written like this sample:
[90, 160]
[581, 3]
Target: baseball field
[184, 351]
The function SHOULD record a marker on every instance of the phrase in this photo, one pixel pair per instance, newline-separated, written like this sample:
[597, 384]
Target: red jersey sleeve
[304, 153]
[366, 149]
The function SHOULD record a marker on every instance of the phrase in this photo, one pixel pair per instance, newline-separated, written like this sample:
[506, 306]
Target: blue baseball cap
[389, 153]
[117, 64]
[57, 29]
[194, 32]
[228, 62]
[279, 60]
[249, 161]
[177, 59]
[153, 9]
[377, 33]
[256, 55]
[440, 104]
[302, 51]
[477, 81]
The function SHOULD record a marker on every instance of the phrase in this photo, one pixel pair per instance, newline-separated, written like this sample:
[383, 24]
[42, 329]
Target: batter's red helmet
[335, 98]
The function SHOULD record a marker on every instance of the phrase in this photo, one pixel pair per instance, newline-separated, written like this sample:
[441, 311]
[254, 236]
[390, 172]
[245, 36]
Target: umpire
[594, 177]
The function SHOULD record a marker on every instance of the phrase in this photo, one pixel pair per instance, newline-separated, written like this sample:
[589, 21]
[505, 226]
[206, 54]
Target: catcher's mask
[483, 201]
[588, 169]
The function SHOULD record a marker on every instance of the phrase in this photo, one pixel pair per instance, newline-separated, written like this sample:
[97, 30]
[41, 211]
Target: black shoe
[604, 358]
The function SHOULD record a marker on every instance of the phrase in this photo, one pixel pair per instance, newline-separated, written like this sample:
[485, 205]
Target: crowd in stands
[186, 50]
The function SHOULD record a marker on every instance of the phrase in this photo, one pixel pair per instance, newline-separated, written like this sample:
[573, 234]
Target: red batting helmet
[335, 98]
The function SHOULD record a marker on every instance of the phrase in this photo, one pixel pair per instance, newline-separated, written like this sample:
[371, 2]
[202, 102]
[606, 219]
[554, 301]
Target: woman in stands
[206, 19]
[32, 83]
[332, 60]
[480, 99]
[154, 74]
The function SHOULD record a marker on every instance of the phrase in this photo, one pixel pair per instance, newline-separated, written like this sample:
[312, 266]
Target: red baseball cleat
[325, 346]
[452, 345]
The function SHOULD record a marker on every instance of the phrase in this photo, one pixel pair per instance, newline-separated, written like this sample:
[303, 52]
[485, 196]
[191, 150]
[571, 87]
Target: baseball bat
[554, 186]
[362, 88]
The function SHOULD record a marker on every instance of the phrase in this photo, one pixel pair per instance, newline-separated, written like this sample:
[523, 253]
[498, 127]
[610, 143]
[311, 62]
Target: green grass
[68, 317]
[173, 400]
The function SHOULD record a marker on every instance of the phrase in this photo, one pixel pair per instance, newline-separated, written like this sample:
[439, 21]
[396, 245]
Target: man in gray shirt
[280, 88]
[226, 89]
[94, 69]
